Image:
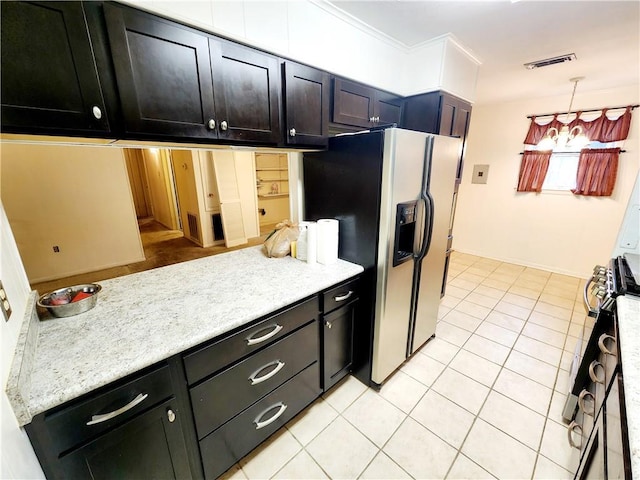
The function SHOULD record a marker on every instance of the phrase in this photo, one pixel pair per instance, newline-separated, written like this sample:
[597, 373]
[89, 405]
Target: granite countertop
[146, 317]
[628, 318]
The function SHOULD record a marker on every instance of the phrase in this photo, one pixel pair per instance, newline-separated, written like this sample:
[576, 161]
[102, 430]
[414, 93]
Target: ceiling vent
[551, 61]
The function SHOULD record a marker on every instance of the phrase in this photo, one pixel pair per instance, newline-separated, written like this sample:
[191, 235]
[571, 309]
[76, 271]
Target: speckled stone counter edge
[628, 318]
[19, 382]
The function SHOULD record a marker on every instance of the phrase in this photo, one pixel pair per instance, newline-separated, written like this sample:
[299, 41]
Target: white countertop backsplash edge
[629, 329]
[18, 386]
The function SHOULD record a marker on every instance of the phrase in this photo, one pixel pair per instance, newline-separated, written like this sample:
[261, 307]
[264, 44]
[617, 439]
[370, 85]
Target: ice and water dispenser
[405, 230]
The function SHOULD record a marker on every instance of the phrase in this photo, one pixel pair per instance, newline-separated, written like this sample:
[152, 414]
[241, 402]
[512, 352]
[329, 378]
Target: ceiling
[503, 35]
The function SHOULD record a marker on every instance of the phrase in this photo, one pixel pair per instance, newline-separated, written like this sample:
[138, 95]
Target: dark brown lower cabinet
[150, 445]
[232, 441]
[337, 344]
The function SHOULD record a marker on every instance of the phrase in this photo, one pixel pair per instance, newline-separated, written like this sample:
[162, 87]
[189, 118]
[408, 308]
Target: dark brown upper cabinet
[439, 113]
[246, 86]
[163, 73]
[360, 105]
[49, 81]
[175, 81]
[306, 97]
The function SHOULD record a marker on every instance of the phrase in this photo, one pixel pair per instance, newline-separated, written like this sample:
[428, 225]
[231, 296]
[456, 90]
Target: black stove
[627, 274]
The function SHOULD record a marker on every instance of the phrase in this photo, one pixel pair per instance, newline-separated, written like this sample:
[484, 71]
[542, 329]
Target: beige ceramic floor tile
[562, 382]
[447, 420]
[475, 367]
[374, 416]
[540, 350]
[423, 368]
[497, 284]
[463, 283]
[440, 349]
[341, 450]
[343, 394]
[479, 270]
[519, 300]
[557, 300]
[449, 301]
[543, 334]
[524, 391]
[271, 456]
[457, 292]
[525, 291]
[497, 334]
[556, 447]
[471, 277]
[557, 406]
[547, 470]
[532, 368]
[311, 421]
[418, 451]
[550, 322]
[301, 466]
[506, 321]
[461, 389]
[473, 309]
[480, 299]
[465, 469]
[462, 320]
[497, 452]
[383, 468]
[514, 419]
[513, 310]
[487, 349]
[489, 292]
[403, 391]
[558, 312]
[452, 334]
[442, 311]
[234, 473]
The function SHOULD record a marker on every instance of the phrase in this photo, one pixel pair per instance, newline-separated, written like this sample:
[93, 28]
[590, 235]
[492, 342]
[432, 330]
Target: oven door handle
[592, 312]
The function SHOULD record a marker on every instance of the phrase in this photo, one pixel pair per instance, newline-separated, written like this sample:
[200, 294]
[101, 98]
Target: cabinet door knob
[171, 416]
[211, 124]
[97, 113]
[224, 125]
[292, 132]
[371, 119]
[327, 324]
[377, 119]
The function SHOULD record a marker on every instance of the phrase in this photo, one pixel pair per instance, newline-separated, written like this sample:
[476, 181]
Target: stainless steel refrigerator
[392, 191]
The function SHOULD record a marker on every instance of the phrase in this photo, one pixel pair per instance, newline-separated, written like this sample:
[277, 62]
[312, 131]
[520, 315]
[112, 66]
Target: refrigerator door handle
[428, 225]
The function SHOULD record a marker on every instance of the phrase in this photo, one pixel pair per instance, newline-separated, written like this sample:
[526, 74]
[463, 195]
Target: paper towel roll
[312, 242]
[327, 241]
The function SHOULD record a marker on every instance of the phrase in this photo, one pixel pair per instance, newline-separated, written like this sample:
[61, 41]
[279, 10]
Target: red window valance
[601, 129]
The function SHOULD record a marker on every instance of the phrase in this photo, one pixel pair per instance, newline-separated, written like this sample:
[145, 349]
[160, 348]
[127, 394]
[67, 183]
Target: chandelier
[565, 138]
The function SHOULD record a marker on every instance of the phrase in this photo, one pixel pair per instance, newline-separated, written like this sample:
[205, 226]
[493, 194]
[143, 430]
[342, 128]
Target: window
[561, 175]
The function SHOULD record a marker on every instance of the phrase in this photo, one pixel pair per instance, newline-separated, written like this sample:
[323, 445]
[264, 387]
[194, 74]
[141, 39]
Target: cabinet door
[163, 74]
[337, 344]
[49, 79]
[306, 105]
[388, 108]
[247, 93]
[149, 446]
[353, 103]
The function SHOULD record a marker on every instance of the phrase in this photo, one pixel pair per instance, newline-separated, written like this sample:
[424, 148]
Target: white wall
[553, 231]
[76, 198]
[316, 33]
[17, 459]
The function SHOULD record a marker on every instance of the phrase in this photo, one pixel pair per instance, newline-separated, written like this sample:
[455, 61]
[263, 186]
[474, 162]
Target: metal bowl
[70, 308]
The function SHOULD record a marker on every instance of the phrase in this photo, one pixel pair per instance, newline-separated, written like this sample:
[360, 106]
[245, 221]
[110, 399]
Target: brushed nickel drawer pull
[573, 426]
[281, 408]
[255, 341]
[593, 374]
[603, 348]
[108, 416]
[342, 298]
[581, 404]
[254, 379]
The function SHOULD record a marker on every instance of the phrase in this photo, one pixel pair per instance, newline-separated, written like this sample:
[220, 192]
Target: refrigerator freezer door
[444, 161]
[401, 182]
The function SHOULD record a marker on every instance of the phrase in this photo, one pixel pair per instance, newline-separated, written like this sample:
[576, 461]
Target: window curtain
[597, 171]
[600, 129]
[533, 169]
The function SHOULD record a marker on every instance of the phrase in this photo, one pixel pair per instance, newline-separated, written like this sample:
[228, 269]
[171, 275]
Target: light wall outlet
[4, 303]
[480, 174]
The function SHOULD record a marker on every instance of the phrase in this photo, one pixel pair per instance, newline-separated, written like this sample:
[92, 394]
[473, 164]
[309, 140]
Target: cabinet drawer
[341, 295]
[221, 353]
[69, 426]
[221, 397]
[224, 447]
